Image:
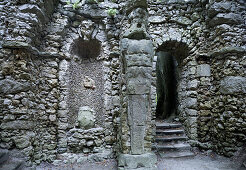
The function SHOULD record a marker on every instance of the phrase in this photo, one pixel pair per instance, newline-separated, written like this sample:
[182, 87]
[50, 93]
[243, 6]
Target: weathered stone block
[192, 85]
[203, 70]
[130, 46]
[137, 31]
[219, 7]
[86, 117]
[137, 139]
[12, 86]
[137, 109]
[17, 124]
[136, 4]
[145, 161]
[138, 60]
[34, 9]
[182, 20]
[191, 112]
[138, 80]
[89, 83]
[21, 142]
[228, 18]
[157, 19]
[191, 103]
[233, 84]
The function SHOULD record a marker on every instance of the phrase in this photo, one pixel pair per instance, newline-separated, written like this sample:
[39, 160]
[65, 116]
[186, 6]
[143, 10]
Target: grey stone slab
[130, 46]
[13, 165]
[147, 160]
[231, 49]
[12, 86]
[191, 103]
[157, 19]
[233, 84]
[203, 70]
[226, 18]
[137, 109]
[17, 124]
[130, 5]
[218, 7]
[182, 20]
[138, 60]
[34, 9]
[138, 80]
[138, 86]
[137, 139]
[179, 154]
[4, 155]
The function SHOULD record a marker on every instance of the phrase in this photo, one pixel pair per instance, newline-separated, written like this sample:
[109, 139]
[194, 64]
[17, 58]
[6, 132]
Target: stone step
[12, 164]
[172, 147]
[168, 125]
[179, 154]
[170, 139]
[4, 155]
[169, 131]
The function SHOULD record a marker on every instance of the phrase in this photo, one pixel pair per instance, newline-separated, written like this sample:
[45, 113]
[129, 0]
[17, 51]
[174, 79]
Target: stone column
[137, 53]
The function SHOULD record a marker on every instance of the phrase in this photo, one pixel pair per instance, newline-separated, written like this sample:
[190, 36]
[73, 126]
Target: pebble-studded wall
[54, 101]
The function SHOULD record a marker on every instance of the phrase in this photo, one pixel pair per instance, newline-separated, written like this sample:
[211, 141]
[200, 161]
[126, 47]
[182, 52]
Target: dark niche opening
[86, 49]
[169, 62]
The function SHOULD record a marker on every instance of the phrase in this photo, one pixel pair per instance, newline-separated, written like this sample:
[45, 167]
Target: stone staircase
[9, 163]
[171, 141]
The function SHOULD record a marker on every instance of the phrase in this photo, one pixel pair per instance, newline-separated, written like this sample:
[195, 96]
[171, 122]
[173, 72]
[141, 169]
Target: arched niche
[86, 83]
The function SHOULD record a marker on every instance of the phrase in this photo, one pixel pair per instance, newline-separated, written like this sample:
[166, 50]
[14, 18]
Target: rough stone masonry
[62, 63]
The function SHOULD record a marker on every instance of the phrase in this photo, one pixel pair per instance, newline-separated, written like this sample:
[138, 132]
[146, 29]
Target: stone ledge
[224, 50]
[33, 50]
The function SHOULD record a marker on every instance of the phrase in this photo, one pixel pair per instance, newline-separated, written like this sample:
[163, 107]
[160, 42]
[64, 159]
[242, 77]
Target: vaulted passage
[166, 73]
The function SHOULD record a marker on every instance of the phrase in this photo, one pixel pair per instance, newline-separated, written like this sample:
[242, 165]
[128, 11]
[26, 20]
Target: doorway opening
[168, 72]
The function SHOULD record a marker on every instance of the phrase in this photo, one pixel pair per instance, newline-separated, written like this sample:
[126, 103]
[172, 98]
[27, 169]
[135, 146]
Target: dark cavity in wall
[85, 66]
[169, 62]
[86, 49]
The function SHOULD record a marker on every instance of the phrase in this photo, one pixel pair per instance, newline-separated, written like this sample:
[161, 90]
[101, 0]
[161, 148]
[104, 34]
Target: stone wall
[213, 35]
[29, 95]
[42, 75]
[43, 81]
[171, 27]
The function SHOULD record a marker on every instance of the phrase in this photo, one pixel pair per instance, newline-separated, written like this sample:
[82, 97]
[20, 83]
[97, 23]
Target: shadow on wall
[170, 56]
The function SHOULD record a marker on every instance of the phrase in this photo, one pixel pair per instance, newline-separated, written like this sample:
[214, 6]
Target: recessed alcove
[86, 83]
[86, 49]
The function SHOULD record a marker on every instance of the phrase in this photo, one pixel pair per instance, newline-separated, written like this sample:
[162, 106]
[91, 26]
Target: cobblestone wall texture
[44, 81]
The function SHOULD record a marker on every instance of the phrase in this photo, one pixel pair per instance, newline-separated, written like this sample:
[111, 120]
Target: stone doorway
[170, 65]
[166, 85]
[171, 140]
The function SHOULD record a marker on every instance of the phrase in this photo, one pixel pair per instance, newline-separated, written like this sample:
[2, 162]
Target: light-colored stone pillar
[137, 53]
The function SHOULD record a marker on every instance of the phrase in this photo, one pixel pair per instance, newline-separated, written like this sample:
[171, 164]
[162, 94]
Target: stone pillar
[137, 53]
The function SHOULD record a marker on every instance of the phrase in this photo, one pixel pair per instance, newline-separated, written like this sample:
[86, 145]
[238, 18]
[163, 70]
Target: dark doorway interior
[166, 73]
